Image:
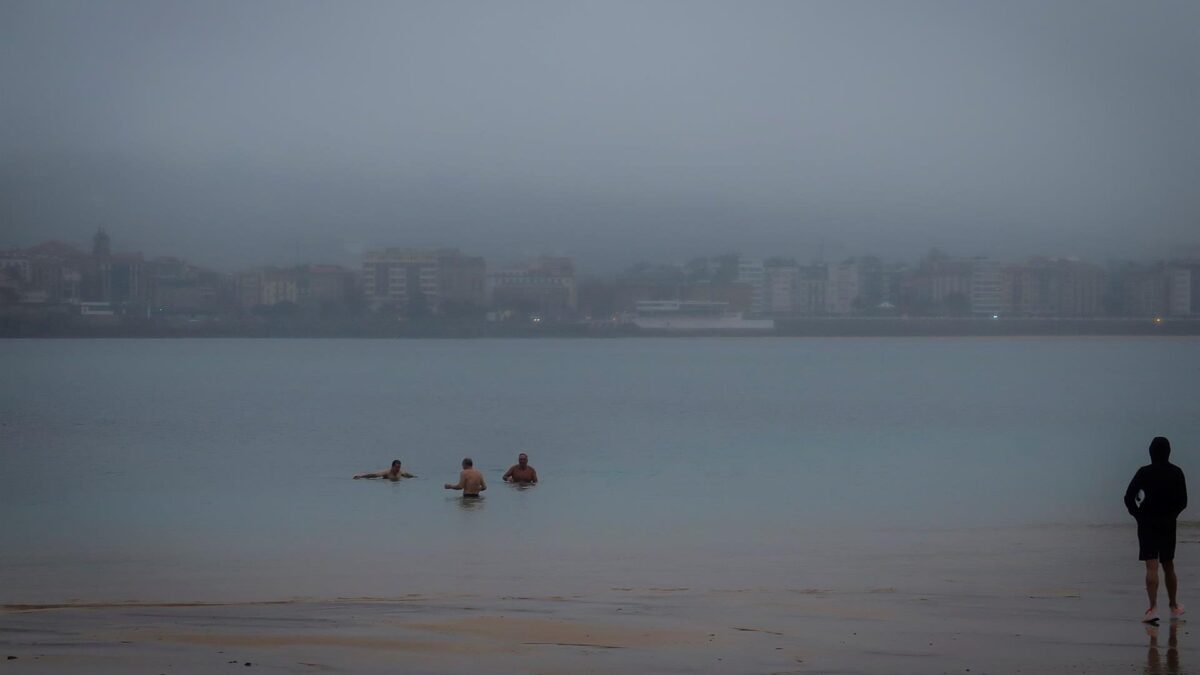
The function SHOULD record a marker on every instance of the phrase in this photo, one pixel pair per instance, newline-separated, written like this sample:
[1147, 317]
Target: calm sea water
[181, 469]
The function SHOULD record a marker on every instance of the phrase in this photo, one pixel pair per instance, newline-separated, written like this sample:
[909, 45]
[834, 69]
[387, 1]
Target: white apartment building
[752, 273]
[782, 282]
[986, 288]
[843, 287]
[1180, 291]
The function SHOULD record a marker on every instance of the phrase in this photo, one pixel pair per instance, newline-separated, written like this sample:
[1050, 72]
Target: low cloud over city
[242, 134]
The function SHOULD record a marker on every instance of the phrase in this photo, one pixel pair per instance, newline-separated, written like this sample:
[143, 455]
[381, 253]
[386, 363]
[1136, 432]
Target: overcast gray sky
[244, 132]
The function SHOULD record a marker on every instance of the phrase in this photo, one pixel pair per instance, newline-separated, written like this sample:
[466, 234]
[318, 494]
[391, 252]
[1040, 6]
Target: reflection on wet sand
[644, 629]
[1154, 664]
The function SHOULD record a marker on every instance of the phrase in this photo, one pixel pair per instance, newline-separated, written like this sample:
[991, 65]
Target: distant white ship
[689, 315]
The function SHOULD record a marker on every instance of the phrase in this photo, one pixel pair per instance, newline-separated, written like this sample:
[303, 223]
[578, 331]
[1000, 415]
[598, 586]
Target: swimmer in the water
[470, 481]
[521, 472]
[394, 473]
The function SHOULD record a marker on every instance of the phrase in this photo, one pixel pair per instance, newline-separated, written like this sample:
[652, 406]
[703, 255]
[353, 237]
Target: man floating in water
[470, 481]
[1164, 496]
[394, 473]
[521, 472]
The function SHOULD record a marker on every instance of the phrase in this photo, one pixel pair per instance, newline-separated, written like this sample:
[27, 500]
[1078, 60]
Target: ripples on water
[210, 464]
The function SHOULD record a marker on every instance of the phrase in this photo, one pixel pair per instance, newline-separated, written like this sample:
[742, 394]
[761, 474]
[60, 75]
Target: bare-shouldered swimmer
[470, 481]
[394, 473]
[521, 473]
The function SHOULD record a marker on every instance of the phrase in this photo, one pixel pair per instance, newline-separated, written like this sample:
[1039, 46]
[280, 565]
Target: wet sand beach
[955, 616]
[635, 631]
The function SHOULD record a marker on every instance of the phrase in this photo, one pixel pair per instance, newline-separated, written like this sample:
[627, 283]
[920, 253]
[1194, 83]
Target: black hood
[1160, 450]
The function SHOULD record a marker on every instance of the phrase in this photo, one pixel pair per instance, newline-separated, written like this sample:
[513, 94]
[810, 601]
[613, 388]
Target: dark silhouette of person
[1163, 496]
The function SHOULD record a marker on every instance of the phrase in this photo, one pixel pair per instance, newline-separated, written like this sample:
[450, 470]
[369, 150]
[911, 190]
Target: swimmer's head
[523, 459]
[395, 464]
[467, 463]
[1160, 449]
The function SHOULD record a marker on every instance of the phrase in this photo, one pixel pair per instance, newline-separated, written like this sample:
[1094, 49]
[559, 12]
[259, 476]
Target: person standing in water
[394, 473]
[470, 481]
[1164, 497]
[520, 472]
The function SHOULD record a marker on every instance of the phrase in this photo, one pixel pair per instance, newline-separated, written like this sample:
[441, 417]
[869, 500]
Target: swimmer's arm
[507, 477]
[405, 474]
[457, 486]
[534, 474]
[482, 482]
[375, 474]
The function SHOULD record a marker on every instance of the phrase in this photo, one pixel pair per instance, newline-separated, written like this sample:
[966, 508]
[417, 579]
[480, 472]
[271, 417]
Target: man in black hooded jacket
[1164, 496]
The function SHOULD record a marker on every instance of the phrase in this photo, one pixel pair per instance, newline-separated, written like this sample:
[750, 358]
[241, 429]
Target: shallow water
[191, 469]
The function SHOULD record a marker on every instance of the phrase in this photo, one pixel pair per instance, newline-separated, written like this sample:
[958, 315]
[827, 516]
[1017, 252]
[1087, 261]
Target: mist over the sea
[239, 134]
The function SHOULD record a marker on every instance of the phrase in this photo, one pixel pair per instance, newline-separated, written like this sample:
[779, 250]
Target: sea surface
[221, 469]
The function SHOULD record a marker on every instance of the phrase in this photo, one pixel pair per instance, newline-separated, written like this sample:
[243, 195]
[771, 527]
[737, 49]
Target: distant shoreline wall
[1016, 327]
[800, 327]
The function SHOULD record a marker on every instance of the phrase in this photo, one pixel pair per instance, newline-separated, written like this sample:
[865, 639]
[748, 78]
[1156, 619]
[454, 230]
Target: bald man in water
[521, 472]
[470, 481]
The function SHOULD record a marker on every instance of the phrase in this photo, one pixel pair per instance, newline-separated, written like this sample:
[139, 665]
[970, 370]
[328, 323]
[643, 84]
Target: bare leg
[1172, 582]
[1152, 582]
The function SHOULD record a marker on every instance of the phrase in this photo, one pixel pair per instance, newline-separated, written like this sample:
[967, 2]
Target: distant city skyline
[420, 283]
[351, 254]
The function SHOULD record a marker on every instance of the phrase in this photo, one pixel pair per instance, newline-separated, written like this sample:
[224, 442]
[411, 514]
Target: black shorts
[1156, 540]
[467, 496]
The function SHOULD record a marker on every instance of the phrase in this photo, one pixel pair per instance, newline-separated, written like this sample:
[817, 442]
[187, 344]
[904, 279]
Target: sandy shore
[658, 630]
[1050, 599]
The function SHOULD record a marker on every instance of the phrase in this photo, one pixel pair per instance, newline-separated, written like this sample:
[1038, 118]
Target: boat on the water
[694, 316]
